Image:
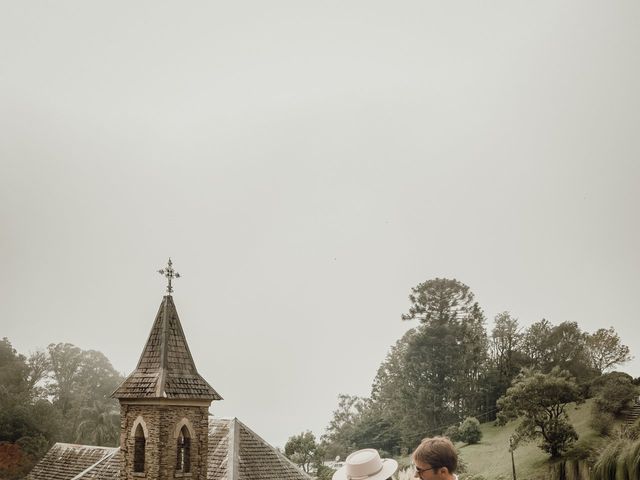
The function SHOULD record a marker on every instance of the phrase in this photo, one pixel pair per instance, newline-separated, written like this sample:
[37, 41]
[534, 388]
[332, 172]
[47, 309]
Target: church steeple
[164, 405]
[166, 368]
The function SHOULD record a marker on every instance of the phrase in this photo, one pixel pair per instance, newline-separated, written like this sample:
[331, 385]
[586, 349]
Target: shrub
[585, 449]
[616, 393]
[601, 422]
[633, 431]
[453, 433]
[324, 473]
[470, 430]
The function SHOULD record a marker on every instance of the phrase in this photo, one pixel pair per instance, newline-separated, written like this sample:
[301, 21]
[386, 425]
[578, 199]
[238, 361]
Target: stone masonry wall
[161, 442]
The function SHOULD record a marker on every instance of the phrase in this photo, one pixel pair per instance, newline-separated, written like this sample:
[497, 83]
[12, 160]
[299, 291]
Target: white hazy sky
[305, 164]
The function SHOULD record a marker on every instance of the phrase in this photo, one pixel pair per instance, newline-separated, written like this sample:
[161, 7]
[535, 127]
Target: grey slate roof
[238, 453]
[235, 453]
[67, 461]
[166, 368]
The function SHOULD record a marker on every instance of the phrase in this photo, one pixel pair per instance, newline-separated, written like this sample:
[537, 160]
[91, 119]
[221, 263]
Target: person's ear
[443, 471]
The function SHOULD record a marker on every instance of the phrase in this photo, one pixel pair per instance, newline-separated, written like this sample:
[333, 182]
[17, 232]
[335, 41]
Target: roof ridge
[233, 450]
[162, 380]
[86, 446]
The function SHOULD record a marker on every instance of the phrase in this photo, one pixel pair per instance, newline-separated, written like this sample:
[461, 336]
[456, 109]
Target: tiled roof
[235, 453]
[218, 454]
[238, 453]
[66, 462]
[166, 368]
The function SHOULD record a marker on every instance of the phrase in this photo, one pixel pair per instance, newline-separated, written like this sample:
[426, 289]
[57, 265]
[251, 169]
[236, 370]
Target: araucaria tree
[433, 375]
[449, 350]
[540, 399]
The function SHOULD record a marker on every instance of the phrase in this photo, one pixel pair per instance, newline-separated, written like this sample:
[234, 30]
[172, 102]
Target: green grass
[491, 458]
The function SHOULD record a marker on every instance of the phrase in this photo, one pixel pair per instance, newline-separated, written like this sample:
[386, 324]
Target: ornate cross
[170, 274]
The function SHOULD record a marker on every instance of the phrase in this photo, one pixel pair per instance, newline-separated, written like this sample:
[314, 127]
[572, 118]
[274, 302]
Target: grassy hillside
[491, 458]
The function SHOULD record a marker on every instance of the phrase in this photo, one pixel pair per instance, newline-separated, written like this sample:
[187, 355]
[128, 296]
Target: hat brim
[389, 467]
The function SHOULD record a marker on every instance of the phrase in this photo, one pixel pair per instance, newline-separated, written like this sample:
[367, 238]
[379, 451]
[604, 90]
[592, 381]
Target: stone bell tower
[164, 405]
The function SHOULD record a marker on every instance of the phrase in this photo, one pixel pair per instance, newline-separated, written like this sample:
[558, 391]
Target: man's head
[435, 459]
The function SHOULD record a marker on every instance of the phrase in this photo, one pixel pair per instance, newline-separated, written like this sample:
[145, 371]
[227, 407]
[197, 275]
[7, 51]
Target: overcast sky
[305, 164]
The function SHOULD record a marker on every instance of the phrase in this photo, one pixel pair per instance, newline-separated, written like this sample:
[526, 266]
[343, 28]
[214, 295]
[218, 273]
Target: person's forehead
[420, 463]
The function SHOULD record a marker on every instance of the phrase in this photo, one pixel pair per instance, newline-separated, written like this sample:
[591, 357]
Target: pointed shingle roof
[166, 368]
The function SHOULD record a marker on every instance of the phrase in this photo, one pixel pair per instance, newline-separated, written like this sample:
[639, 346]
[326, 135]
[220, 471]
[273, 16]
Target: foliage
[433, 376]
[453, 433]
[447, 368]
[338, 437]
[324, 473]
[492, 459]
[81, 384]
[14, 462]
[541, 400]
[469, 431]
[393, 391]
[27, 421]
[99, 424]
[606, 350]
[451, 348]
[359, 423]
[564, 346]
[302, 449]
[633, 430]
[58, 395]
[375, 430]
[505, 355]
[619, 459]
[615, 392]
[601, 422]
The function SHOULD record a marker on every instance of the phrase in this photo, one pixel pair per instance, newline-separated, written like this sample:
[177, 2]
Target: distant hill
[490, 459]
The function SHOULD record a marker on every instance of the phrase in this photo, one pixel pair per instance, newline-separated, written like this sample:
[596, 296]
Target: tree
[376, 430]
[14, 376]
[615, 391]
[447, 354]
[504, 345]
[99, 425]
[605, 350]
[505, 355]
[541, 398]
[469, 431]
[302, 449]
[58, 395]
[28, 423]
[569, 351]
[338, 437]
[396, 392]
[81, 382]
[536, 344]
[563, 345]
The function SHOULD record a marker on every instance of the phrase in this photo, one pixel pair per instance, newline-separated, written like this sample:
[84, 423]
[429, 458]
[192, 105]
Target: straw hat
[366, 465]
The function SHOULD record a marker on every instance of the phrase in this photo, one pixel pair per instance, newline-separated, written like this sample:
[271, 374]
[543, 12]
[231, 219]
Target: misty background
[305, 164]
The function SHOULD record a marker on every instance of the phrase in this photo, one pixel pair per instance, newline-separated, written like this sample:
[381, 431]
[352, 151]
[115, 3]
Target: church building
[166, 431]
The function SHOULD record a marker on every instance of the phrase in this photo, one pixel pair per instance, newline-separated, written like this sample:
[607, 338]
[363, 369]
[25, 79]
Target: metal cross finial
[170, 274]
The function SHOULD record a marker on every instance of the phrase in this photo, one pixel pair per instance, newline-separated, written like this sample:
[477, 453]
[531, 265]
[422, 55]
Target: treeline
[450, 367]
[57, 395]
